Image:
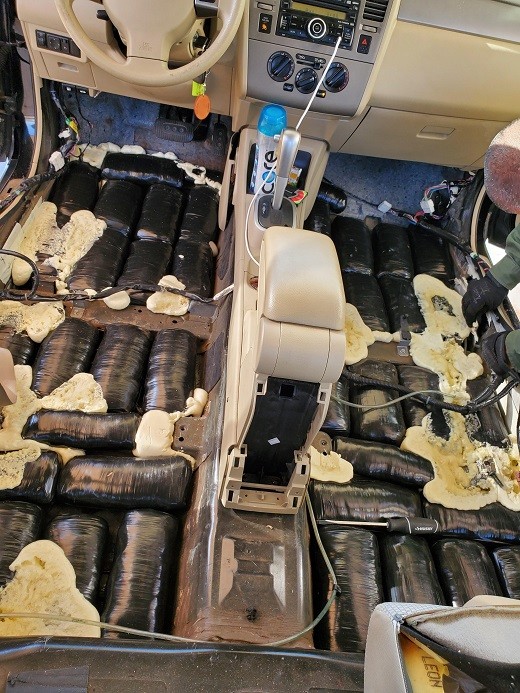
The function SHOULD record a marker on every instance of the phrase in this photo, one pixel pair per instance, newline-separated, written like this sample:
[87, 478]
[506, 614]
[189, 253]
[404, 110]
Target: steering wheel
[149, 30]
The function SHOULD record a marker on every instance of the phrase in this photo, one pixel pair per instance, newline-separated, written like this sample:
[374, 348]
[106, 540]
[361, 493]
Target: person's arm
[512, 345]
[488, 293]
[501, 351]
[507, 270]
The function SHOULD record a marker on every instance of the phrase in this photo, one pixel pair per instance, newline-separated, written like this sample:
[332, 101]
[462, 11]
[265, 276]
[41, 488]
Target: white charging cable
[272, 172]
[320, 82]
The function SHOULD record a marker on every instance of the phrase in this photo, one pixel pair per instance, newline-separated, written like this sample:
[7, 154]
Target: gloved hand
[493, 352]
[481, 296]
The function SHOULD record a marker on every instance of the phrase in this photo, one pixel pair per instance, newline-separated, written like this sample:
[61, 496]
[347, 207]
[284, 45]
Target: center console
[291, 41]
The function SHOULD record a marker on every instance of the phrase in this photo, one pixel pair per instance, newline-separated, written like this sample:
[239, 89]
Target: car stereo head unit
[318, 22]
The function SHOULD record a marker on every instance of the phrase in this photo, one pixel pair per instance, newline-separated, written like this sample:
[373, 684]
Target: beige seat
[480, 638]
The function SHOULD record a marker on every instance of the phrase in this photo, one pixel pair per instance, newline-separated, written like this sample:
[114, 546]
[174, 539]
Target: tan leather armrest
[300, 279]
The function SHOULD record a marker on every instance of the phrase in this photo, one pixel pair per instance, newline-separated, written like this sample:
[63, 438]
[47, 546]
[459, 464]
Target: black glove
[493, 351]
[481, 296]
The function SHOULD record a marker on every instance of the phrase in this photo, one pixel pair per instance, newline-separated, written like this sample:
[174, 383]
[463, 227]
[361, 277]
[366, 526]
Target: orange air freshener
[202, 106]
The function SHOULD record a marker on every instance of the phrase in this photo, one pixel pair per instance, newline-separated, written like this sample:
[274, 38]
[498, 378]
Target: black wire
[29, 183]
[446, 235]
[66, 148]
[365, 202]
[90, 126]
[54, 96]
[470, 408]
[138, 288]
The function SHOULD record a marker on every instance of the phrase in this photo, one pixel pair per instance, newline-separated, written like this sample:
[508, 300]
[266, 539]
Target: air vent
[375, 10]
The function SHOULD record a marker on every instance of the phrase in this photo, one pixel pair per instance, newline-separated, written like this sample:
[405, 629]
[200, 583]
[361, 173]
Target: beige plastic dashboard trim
[442, 72]
[435, 139]
[43, 15]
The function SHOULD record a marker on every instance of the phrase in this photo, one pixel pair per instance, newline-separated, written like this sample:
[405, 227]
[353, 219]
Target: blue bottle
[272, 120]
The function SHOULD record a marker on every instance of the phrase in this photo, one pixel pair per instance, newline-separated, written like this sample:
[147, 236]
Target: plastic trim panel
[140, 667]
[491, 18]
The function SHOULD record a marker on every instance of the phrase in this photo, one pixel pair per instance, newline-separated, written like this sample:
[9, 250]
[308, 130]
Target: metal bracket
[322, 442]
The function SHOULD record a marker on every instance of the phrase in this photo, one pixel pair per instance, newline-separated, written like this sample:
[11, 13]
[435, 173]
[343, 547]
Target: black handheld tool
[403, 525]
[403, 346]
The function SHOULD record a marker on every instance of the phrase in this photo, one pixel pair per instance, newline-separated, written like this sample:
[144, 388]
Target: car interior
[237, 388]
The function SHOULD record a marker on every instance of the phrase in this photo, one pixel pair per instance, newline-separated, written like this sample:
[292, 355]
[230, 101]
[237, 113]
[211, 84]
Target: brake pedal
[174, 130]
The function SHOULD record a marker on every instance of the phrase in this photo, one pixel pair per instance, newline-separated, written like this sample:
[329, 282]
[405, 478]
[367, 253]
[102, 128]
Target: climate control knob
[316, 27]
[306, 80]
[336, 78]
[280, 66]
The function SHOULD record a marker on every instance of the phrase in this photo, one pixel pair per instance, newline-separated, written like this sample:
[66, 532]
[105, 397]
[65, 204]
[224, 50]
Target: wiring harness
[57, 161]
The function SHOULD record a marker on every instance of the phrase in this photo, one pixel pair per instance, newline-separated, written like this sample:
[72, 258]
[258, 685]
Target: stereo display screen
[318, 11]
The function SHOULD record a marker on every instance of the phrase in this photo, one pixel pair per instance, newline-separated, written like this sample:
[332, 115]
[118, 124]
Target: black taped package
[363, 499]
[170, 377]
[142, 168]
[113, 520]
[490, 426]
[76, 189]
[408, 570]
[465, 570]
[38, 482]
[385, 425]
[20, 345]
[193, 264]
[332, 195]
[337, 420]
[319, 219]
[353, 245]
[199, 223]
[101, 265]
[430, 255]
[401, 301]
[160, 214]
[494, 522]
[19, 526]
[120, 363]
[119, 205]
[386, 462]
[354, 555]
[363, 291]
[392, 252]
[75, 429]
[417, 379]
[83, 539]
[146, 264]
[507, 562]
[162, 483]
[68, 350]
[139, 584]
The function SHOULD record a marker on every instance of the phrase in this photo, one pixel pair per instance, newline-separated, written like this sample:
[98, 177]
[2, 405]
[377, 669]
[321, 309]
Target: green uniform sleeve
[513, 349]
[507, 271]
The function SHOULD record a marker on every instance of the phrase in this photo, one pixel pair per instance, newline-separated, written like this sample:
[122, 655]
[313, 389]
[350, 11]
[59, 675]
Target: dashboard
[412, 79]
[291, 41]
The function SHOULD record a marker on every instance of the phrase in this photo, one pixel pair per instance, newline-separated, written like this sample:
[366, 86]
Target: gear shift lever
[275, 209]
[286, 154]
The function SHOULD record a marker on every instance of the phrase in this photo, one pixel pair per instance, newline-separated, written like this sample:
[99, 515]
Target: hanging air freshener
[202, 105]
